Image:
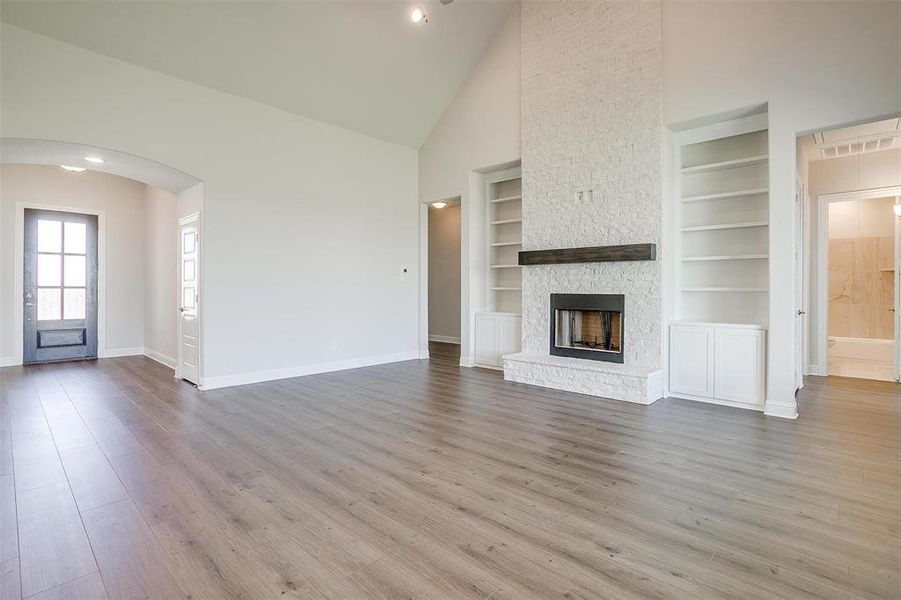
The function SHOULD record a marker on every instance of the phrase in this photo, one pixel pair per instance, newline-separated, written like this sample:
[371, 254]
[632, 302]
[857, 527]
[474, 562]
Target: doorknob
[802, 312]
[181, 309]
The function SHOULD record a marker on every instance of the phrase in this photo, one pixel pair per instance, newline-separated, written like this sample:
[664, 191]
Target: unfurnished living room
[450, 299]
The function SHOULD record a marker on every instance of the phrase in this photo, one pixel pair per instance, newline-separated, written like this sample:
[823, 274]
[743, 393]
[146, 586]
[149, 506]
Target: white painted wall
[307, 226]
[122, 201]
[160, 278]
[444, 273]
[479, 129]
[720, 56]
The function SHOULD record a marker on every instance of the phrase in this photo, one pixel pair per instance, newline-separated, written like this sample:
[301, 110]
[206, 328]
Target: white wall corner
[159, 357]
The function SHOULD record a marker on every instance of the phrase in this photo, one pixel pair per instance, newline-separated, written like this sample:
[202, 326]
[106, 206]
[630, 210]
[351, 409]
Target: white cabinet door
[739, 364]
[509, 337]
[486, 341]
[691, 360]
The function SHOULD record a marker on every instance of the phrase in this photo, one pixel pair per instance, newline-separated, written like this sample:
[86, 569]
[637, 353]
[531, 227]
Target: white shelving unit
[504, 243]
[717, 339]
[498, 327]
[722, 241]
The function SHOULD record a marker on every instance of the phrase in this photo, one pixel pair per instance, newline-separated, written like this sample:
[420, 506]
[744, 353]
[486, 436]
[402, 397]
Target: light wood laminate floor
[425, 480]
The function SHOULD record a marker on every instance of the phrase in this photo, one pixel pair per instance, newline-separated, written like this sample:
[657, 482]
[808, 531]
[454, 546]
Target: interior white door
[189, 295]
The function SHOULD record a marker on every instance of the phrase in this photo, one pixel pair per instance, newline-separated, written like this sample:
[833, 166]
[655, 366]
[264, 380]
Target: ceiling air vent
[859, 139]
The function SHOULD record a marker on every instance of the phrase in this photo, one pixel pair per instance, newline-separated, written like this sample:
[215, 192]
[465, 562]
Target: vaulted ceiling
[357, 64]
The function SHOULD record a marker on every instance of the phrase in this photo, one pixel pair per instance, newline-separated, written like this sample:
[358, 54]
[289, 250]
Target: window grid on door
[61, 270]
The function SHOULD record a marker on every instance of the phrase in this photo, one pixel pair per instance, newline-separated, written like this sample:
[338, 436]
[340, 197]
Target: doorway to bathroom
[858, 274]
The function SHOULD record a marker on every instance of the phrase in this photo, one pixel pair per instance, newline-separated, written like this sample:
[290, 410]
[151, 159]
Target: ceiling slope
[361, 65]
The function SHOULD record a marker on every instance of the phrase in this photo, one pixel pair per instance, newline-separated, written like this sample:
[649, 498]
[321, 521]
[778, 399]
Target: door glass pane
[48, 304]
[188, 270]
[75, 270]
[76, 238]
[50, 236]
[188, 242]
[188, 297]
[49, 269]
[73, 307]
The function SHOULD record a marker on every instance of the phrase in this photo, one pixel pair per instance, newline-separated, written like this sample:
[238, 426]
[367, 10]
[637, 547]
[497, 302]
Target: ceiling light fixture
[417, 15]
[94, 159]
[439, 204]
[73, 169]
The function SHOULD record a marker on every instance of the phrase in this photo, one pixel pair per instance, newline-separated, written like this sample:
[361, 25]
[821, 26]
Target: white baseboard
[9, 361]
[467, 361]
[447, 339]
[117, 352]
[160, 358]
[213, 383]
[719, 401]
[815, 370]
[783, 411]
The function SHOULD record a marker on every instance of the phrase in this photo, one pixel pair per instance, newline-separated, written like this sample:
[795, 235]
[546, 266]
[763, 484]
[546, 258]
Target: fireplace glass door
[590, 330]
[588, 326]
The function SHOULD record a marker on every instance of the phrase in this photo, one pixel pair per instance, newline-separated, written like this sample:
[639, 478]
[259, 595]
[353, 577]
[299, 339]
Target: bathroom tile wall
[861, 293]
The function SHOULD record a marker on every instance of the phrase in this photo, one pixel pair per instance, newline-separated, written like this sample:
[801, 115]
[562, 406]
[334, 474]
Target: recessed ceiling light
[73, 169]
[439, 204]
[94, 159]
[417, 15]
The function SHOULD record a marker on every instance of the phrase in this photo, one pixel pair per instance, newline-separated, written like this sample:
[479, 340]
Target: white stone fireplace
[592, 176]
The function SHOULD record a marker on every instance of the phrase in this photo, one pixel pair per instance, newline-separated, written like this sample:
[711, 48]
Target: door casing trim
[822, 263]
[19, 273]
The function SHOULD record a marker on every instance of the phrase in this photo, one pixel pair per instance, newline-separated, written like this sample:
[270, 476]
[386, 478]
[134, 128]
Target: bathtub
[867, 358]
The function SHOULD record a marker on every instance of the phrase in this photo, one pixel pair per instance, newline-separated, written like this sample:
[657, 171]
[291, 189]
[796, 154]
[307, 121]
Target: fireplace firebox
[588, 326]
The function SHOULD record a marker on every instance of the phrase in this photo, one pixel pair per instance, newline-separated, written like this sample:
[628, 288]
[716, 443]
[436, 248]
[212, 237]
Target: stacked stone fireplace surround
[592, 176]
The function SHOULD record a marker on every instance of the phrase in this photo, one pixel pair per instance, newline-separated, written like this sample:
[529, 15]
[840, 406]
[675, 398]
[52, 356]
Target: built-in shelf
[725, 257]
[725, 289]
[743, 225]
[726, 195]
[504, 232]
[726, 164]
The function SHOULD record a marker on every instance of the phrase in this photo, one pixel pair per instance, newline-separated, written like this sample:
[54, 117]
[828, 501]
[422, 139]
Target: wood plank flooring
[425, 480]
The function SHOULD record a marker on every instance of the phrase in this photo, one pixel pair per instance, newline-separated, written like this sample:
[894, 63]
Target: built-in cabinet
[496, 334]
[718, 362]
[720, 262]
[498, 329]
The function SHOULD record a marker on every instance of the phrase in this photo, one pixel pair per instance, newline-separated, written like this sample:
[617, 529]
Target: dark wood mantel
[589, 254]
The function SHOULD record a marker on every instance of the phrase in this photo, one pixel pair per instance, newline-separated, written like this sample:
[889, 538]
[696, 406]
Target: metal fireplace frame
[609, 302]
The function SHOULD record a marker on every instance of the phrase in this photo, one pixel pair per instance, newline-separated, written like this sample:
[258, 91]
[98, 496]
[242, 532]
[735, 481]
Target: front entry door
[60, 300]
[188, 330]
